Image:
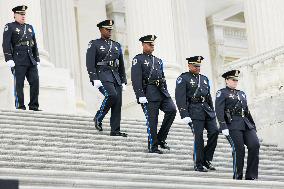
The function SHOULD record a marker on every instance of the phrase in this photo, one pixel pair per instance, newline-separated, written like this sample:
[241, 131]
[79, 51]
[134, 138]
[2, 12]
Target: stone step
[20, 113]
[218, 162]
[67, 158]
[18, 141]
[99, 180]
[91, 136]
[219, 156]
[128, 157]
[126, 170]
[96, 183]
[180, 132]
[173, 131]
[22, 143]
[134, 121]
[65, 151]
[82, 125]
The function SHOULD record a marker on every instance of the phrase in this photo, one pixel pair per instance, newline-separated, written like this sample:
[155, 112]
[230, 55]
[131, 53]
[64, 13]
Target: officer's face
[194, 69]
[232, 83]
[105, 33]
[21, 18]
[148, 47]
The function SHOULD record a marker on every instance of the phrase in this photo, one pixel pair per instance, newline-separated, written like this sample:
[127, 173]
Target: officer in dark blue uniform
[150, 88]
[105, 66]
[196, 109]
[21, 54]
[238, 126]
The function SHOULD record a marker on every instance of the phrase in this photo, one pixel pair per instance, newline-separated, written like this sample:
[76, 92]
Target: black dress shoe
[98, 125]
[21, 108]
[155, 150]
[34, 109]
[164, 145]
[200, 169]
[209, 166]
[238, 177]
[118, 134]
[251, 178]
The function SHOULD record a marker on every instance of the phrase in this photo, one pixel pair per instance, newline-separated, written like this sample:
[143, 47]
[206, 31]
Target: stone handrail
[261, 75]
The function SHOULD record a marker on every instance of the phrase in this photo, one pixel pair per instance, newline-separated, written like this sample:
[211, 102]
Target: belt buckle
[111, 63]
[28, 43]
[157, 82]
[202, 99]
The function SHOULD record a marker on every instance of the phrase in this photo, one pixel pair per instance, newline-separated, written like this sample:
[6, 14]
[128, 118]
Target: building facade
[241, 34]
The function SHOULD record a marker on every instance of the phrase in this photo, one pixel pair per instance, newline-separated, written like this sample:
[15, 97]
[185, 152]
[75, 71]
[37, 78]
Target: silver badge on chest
[232, 96]
[146, 63]
[17, 30]
[102, 48]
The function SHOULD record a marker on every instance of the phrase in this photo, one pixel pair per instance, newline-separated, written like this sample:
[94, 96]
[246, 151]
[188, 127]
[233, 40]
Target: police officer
[238, 126]
[21, 54]
[105, 66]
[196, 109]
[150, 88]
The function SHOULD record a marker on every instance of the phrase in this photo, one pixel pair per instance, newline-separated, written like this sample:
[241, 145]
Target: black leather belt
[156, 82]
[25, 43]
[197, 99]
[111, 63]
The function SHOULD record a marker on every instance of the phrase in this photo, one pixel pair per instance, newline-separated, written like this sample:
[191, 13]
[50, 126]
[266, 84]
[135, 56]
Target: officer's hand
[187, 120]
[225, 132]
[11, 63]
[97, 83]
[143, 100]
[38, 64]
[123, 87]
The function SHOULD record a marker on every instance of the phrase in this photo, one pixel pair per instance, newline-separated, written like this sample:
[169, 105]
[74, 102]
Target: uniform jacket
[146, 67]
[14, 34]
[191, 86]
[236, 102]
[99, 50]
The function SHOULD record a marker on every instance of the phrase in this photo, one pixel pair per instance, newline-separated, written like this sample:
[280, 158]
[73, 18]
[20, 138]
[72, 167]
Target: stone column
[60, 37]
[145, 17]
[60, 32]
[181, 31]
[191, 37]
[154, 17]
[88, 14]
[264, 21]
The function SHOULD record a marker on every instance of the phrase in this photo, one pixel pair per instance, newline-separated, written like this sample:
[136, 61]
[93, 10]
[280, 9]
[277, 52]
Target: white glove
[123, 87]
[143, 100]
[11, 63]
[38, 64]
[225, 132]
[187, 120]
[97, 83]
